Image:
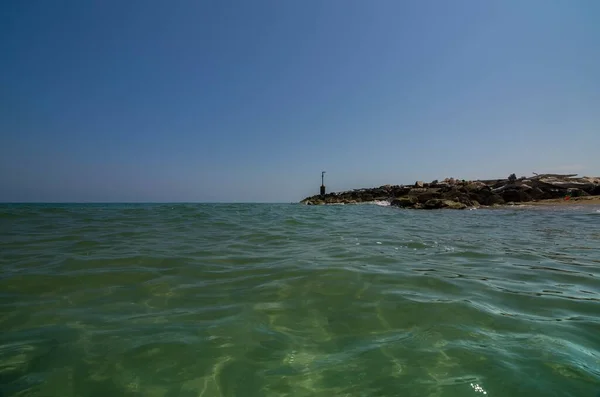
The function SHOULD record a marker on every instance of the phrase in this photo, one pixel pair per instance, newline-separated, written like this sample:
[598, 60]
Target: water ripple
[289, 300]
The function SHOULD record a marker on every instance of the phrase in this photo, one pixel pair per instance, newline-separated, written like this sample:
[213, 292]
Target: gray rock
[515, 195]
[439, 203]
[404, 202]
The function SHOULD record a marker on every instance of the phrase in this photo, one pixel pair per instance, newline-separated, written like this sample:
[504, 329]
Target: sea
[211, 300]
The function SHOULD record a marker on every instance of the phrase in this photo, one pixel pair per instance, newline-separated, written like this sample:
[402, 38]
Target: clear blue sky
[144, 100]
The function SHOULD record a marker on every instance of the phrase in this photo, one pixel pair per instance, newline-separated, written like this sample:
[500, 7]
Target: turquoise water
[289, 300]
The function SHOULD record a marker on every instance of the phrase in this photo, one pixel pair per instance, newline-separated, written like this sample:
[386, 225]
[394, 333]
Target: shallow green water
[290, 300]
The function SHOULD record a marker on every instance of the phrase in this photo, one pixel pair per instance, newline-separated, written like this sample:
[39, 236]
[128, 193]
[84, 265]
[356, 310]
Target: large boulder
[459, 194]
[379, 192]
[536, 193]
[333, 200]
[404, 202]
[554, 193]
[515, 195]
[454, 205]
[565, 183]
[426, 195]
[417, 191]
[506, 186]
[365, 197]
[577, 193]
[398, 191]
[490, 199]
[476, 186]
[459, 197]
[449, 181]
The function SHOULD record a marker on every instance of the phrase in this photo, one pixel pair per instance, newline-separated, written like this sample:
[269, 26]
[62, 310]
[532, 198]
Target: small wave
[381, 203]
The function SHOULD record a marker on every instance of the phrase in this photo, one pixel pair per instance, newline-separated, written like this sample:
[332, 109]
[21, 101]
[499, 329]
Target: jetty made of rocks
[460, 194]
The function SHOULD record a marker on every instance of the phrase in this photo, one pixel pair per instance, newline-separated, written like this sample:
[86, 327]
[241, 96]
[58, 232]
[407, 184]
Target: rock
[379, 192]
[504, 187]
[398, 191]
[553, 181]
[439, 203]
[577, 193]
[427, 194]
[454, 205]
[492, 199]
[434, 204]
[474, 186]
[419, 184]
[416, 191]
[536, 193]
[459, 198]
[515, 195]
[404, 202]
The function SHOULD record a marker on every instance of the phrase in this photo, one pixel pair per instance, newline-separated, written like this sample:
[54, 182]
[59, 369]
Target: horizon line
[146, 202]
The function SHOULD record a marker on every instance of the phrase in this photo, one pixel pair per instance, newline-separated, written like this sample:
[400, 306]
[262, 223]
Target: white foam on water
[381, 203]
[478, 388]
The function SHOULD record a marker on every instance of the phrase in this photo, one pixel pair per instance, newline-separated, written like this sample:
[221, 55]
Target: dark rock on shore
[439, 203]
[460, 194]
[404, 202]
[516, 195]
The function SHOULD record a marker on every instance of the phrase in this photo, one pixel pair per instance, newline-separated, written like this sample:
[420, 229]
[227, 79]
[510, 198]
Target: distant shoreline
[451, 193]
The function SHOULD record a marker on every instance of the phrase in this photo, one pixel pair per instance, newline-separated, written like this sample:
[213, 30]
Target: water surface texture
[290, 300]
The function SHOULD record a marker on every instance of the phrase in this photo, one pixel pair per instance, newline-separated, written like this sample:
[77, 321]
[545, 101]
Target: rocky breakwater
[460, 194]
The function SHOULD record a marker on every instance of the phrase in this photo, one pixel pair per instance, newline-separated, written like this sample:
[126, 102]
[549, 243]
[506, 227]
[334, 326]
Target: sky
[248, 101]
